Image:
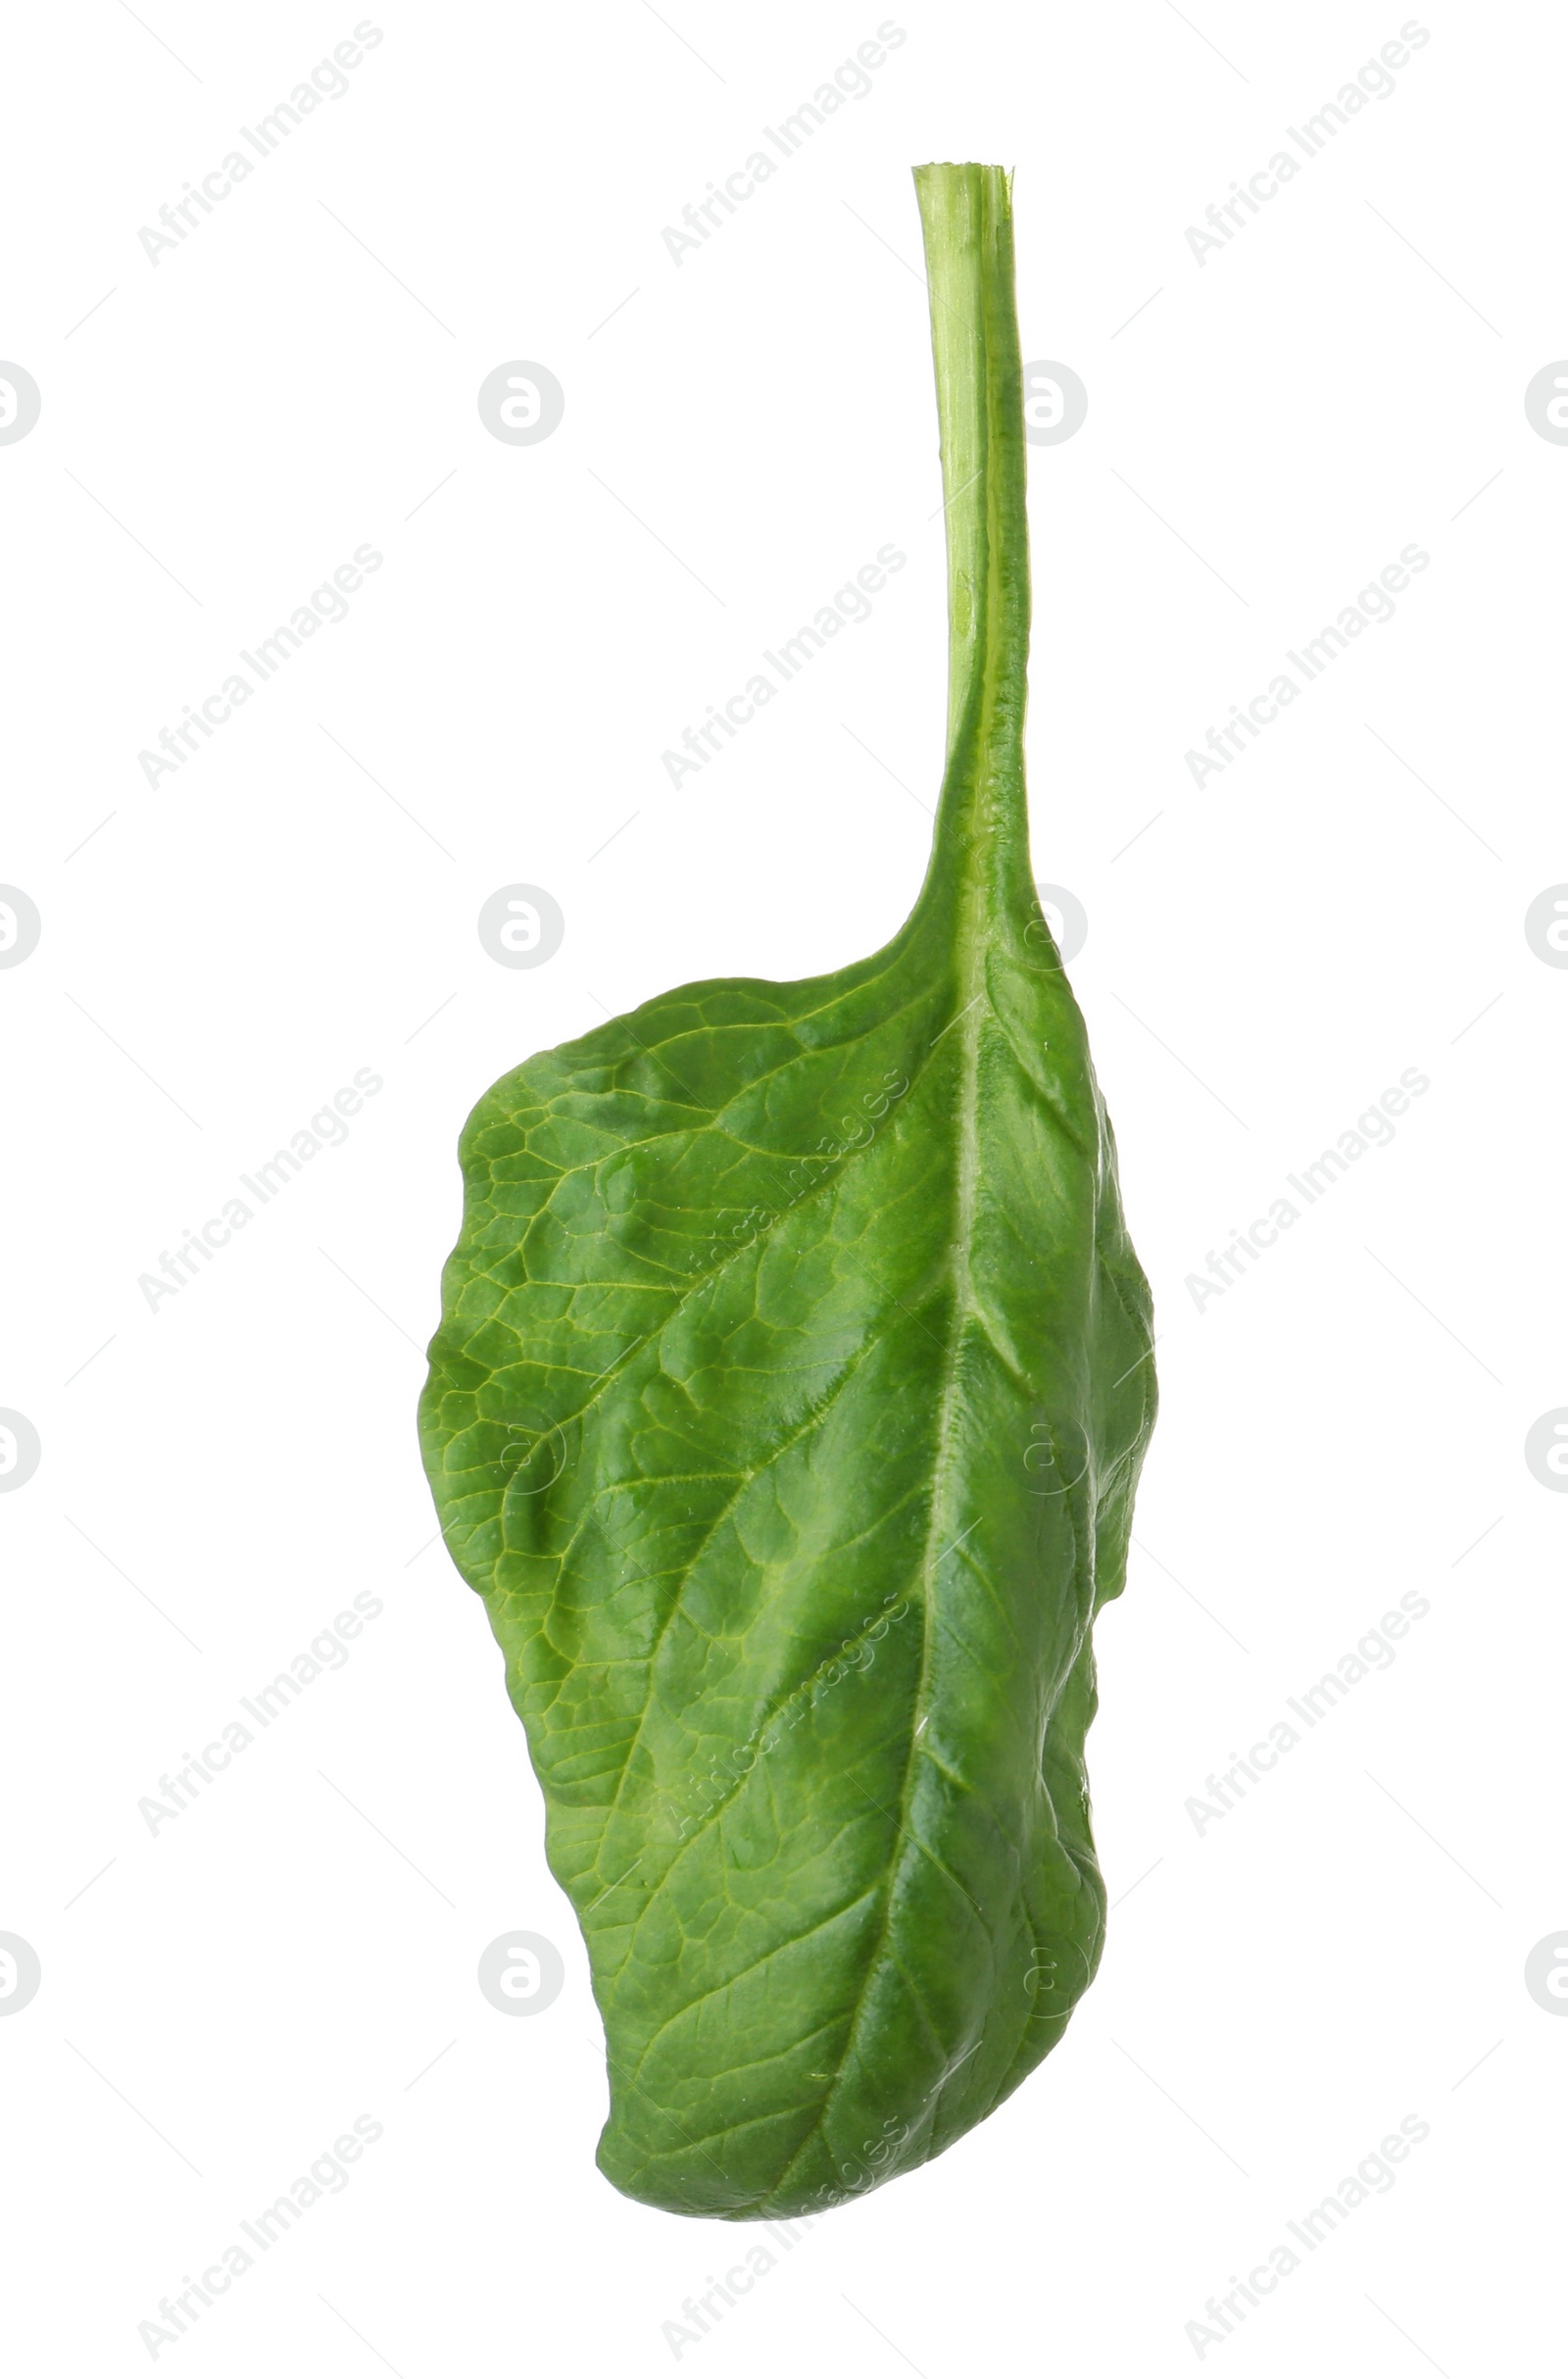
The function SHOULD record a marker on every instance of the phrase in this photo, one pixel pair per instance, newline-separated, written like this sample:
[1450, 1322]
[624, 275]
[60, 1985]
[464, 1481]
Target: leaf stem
[967, 213]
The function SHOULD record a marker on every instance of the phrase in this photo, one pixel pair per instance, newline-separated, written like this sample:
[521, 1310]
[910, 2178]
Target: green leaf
[787, 1406]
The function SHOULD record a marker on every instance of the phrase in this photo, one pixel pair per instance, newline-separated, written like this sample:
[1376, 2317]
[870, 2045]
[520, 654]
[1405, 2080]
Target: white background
[298, 900]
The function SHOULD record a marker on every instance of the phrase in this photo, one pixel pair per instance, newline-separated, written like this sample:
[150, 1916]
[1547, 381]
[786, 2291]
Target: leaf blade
[791, 1386]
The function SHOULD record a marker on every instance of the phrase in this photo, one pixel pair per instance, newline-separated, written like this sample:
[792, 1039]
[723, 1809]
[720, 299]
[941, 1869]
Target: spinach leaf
[793, 1381]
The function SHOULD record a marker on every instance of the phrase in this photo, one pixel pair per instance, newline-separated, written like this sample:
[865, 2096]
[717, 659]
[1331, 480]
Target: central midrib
[974, 791]
[970, 987]
[970, 935]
